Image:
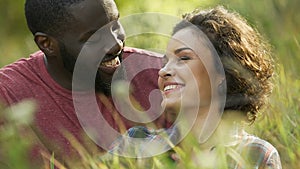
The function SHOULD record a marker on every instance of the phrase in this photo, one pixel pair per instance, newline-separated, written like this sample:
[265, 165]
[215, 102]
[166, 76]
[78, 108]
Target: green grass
[278, 20]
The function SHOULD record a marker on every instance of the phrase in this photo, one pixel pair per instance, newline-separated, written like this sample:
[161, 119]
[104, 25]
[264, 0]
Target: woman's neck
[226, 133]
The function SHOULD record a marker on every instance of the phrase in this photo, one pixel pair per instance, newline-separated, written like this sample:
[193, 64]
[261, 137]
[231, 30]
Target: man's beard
[101, 85]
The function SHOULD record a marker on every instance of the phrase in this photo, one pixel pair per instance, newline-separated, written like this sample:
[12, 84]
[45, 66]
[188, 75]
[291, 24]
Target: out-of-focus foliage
[14, 146]
[277, 20]
[16, 39]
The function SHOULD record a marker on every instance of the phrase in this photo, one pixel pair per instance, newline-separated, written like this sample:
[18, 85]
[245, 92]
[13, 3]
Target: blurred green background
[277, 20]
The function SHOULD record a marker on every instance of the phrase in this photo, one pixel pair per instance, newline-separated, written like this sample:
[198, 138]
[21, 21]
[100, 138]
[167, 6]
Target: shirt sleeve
[3, 94]
[273, 161]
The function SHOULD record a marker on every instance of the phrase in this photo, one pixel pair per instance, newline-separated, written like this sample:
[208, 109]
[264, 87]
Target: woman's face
[184, 80]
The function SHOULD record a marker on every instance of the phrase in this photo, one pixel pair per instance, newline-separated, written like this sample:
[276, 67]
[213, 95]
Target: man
[61, 30]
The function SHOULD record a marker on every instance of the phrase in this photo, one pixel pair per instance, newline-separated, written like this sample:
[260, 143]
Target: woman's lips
[171, 87]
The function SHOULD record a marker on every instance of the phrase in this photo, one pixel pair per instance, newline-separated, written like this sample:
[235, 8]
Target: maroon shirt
[28, 78]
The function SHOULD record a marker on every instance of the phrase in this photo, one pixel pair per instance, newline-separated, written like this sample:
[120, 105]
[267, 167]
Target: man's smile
[110, 63]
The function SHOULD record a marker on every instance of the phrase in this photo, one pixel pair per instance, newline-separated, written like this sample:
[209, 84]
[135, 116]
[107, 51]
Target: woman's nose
[165, 72]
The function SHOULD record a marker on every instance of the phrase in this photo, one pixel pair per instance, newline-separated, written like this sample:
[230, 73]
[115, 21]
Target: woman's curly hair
[245, 55]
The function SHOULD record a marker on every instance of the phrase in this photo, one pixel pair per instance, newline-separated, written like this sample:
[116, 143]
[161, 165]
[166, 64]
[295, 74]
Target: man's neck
[58, 73]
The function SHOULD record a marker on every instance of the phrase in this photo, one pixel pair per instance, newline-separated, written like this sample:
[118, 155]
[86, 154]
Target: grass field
[277, 20]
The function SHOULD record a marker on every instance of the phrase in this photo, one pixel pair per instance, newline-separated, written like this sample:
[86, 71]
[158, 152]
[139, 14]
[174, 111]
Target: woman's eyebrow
[181, 49]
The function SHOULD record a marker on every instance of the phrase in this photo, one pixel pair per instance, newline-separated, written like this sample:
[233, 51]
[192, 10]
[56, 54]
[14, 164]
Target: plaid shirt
[245, 152]
[257, 153]
[142, 142]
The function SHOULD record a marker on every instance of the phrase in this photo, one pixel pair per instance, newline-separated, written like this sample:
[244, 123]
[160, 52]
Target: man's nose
[119, 37]
[116, 48]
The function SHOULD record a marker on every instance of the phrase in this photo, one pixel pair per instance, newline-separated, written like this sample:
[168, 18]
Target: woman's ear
[46, 43]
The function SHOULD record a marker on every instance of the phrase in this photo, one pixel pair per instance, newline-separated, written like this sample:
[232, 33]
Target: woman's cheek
[171, 108]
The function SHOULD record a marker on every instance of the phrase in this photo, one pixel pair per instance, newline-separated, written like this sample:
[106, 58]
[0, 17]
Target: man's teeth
[170, 87]
[111, 63]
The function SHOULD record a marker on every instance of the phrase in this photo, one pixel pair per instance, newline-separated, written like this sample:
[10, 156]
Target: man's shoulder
[23, 62]
[20, 78]
[18, 70]
[132, 50]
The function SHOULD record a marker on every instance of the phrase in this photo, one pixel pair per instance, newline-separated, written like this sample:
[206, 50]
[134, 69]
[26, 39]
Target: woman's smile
[171, 87]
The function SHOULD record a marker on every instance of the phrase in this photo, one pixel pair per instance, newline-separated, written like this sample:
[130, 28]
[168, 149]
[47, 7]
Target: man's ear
[46, 43]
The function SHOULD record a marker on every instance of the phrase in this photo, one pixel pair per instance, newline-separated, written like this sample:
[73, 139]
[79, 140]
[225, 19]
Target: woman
[192, 81]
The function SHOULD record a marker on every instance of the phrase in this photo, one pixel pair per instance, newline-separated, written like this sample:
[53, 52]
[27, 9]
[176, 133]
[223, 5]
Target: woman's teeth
[111, 63]
[170, 87]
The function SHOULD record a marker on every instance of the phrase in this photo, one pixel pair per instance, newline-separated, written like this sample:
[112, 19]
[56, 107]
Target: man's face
[89, 17]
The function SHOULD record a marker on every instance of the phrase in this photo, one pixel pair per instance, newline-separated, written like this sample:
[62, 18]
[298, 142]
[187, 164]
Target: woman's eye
[164, 61]
[184, 58]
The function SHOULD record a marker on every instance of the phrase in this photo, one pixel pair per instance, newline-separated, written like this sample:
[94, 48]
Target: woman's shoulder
[258, 151]
[251, 141]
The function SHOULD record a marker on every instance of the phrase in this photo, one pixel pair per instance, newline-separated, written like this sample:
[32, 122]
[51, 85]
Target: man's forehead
[89, 11]
[111, 8]
[102, 8]
[86, 6]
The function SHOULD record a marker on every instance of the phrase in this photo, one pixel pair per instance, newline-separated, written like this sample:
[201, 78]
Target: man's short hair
[49, 16]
